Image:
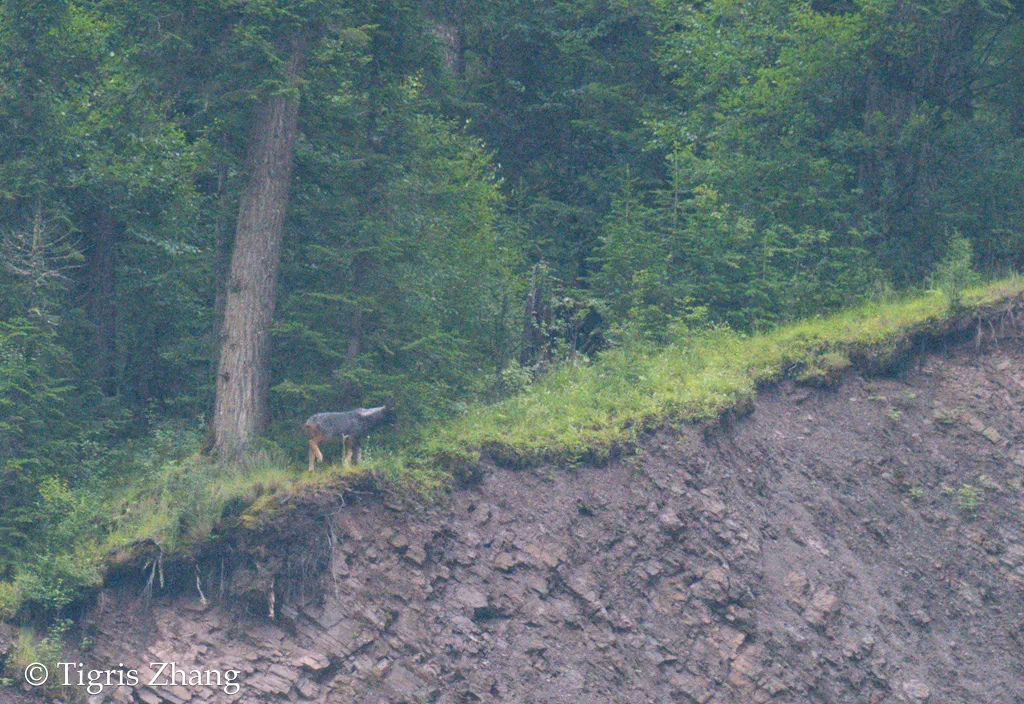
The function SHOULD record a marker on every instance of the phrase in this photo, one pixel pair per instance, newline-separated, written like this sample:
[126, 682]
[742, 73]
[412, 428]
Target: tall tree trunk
[240, 411]
[355, 321]
[101, 265]
[221, 271]
[447, 22]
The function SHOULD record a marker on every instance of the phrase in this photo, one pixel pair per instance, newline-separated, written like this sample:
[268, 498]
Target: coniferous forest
[220, 217]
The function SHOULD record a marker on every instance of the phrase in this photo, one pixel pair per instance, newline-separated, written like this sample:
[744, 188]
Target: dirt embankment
[860, 543]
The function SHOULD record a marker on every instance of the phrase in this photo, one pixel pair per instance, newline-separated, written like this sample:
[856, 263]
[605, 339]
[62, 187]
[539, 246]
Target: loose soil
[857, 543]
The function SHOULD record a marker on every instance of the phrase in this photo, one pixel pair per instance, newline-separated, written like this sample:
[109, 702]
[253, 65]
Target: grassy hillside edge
[577, 413]
[587, 412]
[175, 504]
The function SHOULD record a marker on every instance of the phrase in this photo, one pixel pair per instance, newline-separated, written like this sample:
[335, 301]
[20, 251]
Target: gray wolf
[351, 426]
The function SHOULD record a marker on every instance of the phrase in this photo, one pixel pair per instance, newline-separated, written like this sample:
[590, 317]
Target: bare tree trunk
[355, 321]
[240, 411]
[448, 24]
[101, 266]
[221, 271]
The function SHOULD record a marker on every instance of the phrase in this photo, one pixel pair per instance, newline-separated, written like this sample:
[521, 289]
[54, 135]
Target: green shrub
[955, 273]
[66, 554]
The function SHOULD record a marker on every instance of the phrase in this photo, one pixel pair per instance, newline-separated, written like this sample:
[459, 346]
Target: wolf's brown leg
[357, 450]
[312, 454]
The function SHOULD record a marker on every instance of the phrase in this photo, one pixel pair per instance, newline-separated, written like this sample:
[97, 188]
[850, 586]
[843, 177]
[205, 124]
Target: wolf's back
[347, 423]
[333, 424]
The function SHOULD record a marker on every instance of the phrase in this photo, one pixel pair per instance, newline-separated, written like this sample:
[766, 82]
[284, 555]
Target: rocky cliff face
[859, 543]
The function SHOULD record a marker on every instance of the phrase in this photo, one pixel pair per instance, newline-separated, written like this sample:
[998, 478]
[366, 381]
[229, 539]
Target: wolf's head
[376, 416]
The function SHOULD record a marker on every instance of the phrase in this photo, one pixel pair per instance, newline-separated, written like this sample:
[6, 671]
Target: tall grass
[179, 503]
[588, 411]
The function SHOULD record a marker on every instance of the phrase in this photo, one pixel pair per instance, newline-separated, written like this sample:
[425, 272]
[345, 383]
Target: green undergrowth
[587, 412]
[178, 504]
[169, 508]
[183, 502]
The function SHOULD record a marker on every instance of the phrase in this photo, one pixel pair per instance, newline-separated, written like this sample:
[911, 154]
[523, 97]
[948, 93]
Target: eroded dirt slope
[855, 544]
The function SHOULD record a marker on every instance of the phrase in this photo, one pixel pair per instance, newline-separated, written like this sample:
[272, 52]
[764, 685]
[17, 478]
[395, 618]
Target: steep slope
[855, 543]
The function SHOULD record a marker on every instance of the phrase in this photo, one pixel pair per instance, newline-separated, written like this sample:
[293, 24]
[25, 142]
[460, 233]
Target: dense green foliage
[642, 173]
